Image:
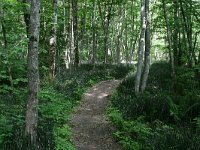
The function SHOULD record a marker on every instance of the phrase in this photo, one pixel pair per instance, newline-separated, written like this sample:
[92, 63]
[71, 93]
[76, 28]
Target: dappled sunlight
[88, 94]
[90, 127]
[95, 89]
[102, 95]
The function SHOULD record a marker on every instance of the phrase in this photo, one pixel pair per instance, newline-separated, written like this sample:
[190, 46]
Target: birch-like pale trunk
[147, 49]
[33, 73]
[71, 34]
[67, 50]
[141, 48]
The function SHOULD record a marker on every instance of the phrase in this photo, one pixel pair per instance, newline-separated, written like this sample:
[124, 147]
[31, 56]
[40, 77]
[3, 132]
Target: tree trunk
[26, 14]
[169, 38]
[82, 29]
[94, 33]
[147, 49]
[175, 34]
[75, 27]
[33, 73]
[67, 36]
[105, 24]
[141, 48]
[53, 43]
[119, 34]
[188, 29]
[71, 33]
[127, 50]
[194, 47]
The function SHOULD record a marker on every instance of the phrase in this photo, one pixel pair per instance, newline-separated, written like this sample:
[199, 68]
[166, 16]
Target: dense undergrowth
[165, 117]
[56, 102]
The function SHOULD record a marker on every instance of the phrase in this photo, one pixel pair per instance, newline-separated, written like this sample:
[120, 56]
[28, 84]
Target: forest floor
[90, 128]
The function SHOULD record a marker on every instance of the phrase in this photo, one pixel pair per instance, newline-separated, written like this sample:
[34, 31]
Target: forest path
[90, 128]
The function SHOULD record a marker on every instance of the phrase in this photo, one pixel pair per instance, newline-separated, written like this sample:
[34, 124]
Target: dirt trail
[90, 128]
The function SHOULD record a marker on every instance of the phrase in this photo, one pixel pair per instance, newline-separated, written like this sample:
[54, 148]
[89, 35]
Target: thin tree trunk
[66, 36]
[75, 27]
[194, 47]
[175, 34]
[71, 34]
[119, 34]
[188, 29]
[26, 14]
[105, 24]
[199, 58]
[141, 48]
[53, 43]
[135, 31]
[169, 38]
[127, 50]
[82, 30]
[147, 49]
[33, 73]
[94, 33]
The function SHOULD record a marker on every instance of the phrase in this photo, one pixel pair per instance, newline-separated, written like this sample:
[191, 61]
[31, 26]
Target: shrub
[169, 109]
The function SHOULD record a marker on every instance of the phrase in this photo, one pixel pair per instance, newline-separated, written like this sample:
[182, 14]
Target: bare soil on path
[90, 128]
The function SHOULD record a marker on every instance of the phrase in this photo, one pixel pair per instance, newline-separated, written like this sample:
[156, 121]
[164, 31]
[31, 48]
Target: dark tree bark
[75, 27]
[27, 14]
[33, 73]
[175, 33]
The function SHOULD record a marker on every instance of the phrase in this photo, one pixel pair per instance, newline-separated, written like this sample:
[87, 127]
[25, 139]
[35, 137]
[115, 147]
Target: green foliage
[62, 138]
[11, 119]
[169, 110]
[168, 137]
[56, 102]
[197, 123]
[130, 133]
